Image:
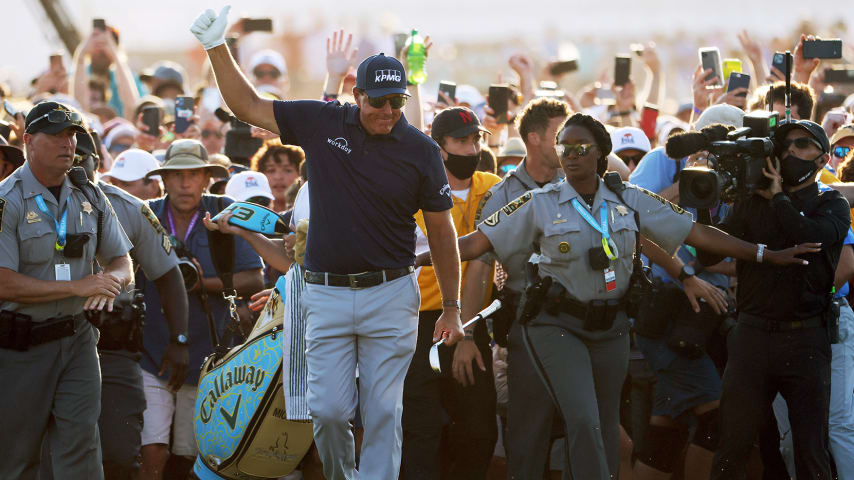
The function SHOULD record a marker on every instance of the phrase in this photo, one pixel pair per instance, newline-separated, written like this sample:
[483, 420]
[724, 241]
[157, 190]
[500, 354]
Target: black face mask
[462, 166]
[795, 170]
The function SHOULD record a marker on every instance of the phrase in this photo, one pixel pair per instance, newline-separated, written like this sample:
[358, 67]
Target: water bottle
[415, 57]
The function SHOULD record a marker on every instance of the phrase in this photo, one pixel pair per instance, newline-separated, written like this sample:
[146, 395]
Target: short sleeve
[152, 249]
[654, 172]
[297, 119]
[663, 222]
[114, 241]
[494, 199]
[435, 192]
[512, 228]
[9, 247]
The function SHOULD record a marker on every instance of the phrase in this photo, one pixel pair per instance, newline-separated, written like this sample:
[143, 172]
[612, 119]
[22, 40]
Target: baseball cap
[166, 73]
[52, 118]
[245, 185]
[132, 165]
[379, 76]
[811, 127]
[514, 147]
[268, 57]
[625, 138]
[13, 155]
[188, 154]
[844, 131]
[455, 122]
[721, 113]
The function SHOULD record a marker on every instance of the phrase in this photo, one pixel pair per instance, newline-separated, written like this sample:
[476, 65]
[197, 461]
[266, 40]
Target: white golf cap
[245, 185]
[132, 165]
[721, 113]
[514, 147]
[629, 137]
[268, 57]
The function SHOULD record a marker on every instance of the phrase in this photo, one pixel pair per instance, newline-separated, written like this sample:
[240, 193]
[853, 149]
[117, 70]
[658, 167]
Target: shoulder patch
[480, 206]
[492, 220]
[165, 241]
[664, 201]
[515, 204]
[2, 209]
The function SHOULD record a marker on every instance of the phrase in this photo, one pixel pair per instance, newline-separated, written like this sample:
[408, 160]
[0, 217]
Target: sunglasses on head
[801, 143]
[58, 116]
[580, 149]
[396, 101]
[841, 152]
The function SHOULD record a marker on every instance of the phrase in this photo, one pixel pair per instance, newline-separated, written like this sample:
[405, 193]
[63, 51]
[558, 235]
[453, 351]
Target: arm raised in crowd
[236, 90]
[339, 59]
[413, 110]
[654, 82]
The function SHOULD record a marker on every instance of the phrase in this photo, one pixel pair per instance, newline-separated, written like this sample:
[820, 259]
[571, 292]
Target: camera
[239, 143]
[736, 159]
[188, 269]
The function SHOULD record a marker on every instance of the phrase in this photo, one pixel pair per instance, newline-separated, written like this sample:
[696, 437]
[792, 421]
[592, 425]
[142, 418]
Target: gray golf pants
[374, 328]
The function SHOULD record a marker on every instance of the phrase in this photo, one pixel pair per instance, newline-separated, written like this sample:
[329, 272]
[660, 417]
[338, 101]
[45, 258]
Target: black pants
[797, 365]
[429, 398]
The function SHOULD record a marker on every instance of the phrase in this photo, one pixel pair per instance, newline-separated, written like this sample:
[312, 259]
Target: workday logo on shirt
[340, 143]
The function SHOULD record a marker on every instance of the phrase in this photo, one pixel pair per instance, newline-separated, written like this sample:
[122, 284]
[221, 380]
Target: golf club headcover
[254, 218]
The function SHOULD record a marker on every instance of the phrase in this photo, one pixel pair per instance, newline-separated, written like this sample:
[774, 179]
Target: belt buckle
[354, 280]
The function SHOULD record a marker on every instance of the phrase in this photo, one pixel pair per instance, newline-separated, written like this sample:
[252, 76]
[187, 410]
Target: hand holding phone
[99, 24]
[499, 94]
[710, 59]
[831, 48]
[257, 25]
[184, 109]
[738, 80]
[450, 90]
[151, 117]
[622, 69]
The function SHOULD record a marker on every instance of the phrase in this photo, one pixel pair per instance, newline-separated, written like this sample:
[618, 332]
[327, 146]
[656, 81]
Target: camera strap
[222, 254]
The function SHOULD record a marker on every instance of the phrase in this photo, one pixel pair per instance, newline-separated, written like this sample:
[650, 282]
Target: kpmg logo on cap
[251, 182]
[387, 76]
[627, 138]
[340, 143]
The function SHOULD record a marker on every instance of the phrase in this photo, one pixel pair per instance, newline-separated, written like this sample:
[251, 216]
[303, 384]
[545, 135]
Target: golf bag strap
[222, 254]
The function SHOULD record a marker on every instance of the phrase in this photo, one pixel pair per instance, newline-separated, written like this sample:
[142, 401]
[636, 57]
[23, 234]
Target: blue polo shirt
[365, 189]
[156, 332]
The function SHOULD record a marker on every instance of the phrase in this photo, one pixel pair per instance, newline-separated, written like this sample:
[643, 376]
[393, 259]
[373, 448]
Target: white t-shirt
[300, 206]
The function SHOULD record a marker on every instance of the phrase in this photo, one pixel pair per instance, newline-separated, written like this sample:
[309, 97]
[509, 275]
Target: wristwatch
[687, 271]
[181, 339]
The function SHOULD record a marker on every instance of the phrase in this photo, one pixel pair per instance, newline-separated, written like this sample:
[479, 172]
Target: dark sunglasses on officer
[57, 116]
[579, 149]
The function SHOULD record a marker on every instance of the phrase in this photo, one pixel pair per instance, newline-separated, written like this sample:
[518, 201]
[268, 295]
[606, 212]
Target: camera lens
[189, 272]
[703, 186]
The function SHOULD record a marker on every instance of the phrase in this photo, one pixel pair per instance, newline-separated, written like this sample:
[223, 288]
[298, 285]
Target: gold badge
[563, 247]
[562, 220]
[622, 210]
[33, 217]
[87, 207]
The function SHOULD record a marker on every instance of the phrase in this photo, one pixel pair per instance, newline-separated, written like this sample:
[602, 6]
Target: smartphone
[649, 118]
[499, 94]
[622, 69]
[738, 80]
[449, 89]
[779, 62]
[56, 62]
[823, 48]
[99, 24]
[710, 58]
[399, 41]
[10, 109]
[839, 75]
[257, 25]
[730, 65]
[183, 113]
[151, 117]
[562, 67]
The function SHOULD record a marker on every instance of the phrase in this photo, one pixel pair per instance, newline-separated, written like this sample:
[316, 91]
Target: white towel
[295, 371]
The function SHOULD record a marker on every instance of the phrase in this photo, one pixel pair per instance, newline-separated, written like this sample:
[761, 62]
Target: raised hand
[210, 28]
[339, 56]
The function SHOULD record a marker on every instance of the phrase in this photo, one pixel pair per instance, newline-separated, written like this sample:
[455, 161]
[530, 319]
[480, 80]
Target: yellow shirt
[463, 213]
[827, 178]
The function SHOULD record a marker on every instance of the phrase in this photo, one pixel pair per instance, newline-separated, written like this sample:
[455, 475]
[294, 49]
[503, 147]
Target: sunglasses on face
[507, 168]
[841, 152]
[207, 133]
[579, 149]
[629, 159]
[58, 116]
[801, 143]
[267, 73]
[396, 101]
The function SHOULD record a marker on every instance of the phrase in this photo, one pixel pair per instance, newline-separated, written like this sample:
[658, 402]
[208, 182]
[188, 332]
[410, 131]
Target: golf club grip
[495, 305]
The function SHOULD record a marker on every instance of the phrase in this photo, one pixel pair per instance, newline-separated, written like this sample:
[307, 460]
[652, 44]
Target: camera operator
[780, 343]
[186, 174]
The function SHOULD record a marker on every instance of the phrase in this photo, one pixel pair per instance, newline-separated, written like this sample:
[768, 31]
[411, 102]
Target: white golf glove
[210, 28]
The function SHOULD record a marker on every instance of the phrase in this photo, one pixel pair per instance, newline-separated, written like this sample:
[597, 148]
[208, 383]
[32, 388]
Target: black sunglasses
[801, 143]
[396, 101]
[58, 116]
[580, 149]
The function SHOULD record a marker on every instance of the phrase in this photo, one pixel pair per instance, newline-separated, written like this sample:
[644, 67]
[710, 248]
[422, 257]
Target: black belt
[18, 332]
[770, 325]
[580, 310]
[357, 280]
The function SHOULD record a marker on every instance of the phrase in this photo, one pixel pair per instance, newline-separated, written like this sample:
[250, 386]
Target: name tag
[63, 272]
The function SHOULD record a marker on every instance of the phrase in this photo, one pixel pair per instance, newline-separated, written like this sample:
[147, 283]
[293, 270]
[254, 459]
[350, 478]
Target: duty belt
[19, 332]
[356, 280]
[770, 325]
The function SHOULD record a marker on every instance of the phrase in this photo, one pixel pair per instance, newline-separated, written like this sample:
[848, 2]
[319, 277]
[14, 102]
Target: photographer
[780, 343]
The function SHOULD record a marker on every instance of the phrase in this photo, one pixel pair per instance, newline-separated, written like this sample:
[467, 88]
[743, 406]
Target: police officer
[587, 234]
[122, 392]
[49, 239]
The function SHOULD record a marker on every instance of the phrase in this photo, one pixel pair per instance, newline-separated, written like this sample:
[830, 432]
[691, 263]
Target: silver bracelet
[760, 252]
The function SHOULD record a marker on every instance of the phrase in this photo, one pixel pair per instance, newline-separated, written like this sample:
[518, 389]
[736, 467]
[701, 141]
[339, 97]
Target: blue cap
[379, 76]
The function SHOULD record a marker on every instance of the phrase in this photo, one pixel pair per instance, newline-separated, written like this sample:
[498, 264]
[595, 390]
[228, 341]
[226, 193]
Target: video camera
[239, 143]
[188, 269]
[736, 159]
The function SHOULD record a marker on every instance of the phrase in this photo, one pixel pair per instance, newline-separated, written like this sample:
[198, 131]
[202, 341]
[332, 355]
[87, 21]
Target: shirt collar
[521, 173]
[351, 117]
[32, 187]
[603, 193]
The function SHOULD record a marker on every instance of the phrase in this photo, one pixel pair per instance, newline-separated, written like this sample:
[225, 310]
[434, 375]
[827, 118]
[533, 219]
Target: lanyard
[602, 227]
[174, 231]
[61, 226]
